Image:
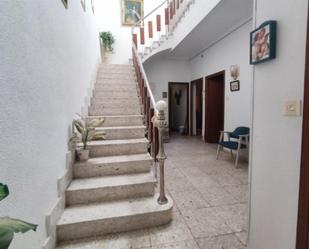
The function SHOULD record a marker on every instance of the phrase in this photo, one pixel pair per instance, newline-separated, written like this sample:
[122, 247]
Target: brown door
[303, 209]
[214, 107]
[196, 106]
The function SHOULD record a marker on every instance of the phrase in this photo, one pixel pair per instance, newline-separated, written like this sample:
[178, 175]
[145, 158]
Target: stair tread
[113, 209]
[116, 159]
[111, 181]
[130, 127]
[120, 141]
[116, 116]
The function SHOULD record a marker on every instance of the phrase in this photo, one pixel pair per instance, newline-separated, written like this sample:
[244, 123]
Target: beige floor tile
[242, 237]
[205, 223]
[239, 192]
[218, 196]
[189, 200]
[179, 184]
[220, 242]
[234, 215]
[189, 244]
[176, 231]
[225, 179]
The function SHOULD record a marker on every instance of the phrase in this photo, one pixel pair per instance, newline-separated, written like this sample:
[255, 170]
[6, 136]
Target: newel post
[160, 123]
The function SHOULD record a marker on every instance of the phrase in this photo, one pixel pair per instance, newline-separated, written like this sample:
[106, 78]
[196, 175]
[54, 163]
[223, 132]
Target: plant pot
[82, 155]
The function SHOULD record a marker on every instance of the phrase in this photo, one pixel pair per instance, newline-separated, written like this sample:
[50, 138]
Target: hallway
[210, 203]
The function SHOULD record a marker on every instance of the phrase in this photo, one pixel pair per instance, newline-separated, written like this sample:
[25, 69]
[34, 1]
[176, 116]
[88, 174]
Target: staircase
[114, 191]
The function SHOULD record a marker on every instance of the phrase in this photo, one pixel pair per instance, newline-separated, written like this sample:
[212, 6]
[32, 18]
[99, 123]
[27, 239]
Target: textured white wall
[276, 138]
[108, 17]
[48, 58]
[233, 49]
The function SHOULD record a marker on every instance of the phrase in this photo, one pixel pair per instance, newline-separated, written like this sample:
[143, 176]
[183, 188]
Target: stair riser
[118, 149]
[110, 88]
[114, 111]
[117, 94]
[122, 121]
[125, 134]
[134, 167]
[116, 101]
[115, 106]
[110, 193]
[116, 77]
[113, 225]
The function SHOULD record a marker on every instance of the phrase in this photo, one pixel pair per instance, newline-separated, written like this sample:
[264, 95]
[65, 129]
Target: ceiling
[227, 16]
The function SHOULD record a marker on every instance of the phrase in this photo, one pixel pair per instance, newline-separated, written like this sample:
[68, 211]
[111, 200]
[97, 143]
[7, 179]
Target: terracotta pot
[82, 155]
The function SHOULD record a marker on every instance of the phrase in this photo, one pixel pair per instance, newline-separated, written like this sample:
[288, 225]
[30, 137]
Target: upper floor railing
[153, 29]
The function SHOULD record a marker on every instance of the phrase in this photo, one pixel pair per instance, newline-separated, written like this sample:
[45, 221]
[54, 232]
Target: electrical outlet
[292, 108]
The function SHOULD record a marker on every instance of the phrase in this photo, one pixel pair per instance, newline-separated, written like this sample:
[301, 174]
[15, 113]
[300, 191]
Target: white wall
[233, 49]
[276, 138]
[48, 58]
[108, 17]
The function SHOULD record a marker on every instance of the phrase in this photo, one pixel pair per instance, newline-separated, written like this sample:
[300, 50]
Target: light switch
[292, 108]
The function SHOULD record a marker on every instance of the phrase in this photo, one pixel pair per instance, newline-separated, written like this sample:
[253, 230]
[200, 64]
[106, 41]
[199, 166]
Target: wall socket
[292, 108]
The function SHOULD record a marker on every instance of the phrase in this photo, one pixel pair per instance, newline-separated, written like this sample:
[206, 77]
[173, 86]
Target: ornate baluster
[135, 39]
[161, 123]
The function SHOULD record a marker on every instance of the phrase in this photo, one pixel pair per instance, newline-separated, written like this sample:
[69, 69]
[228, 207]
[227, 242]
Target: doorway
[303, 205]
[178, 103]
[196, 119]
[214, 106]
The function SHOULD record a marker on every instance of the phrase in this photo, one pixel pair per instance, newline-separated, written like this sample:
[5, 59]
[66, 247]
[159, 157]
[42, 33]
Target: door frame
[169, 102]
[191, 102]
[220, 73]
[302, 241]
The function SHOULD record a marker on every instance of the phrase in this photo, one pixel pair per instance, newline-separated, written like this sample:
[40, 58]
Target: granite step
[115, 94]
[83, 221]
[118, 101]
[112, 87]
[110, 188]
[108, 110]
[123, 132]
[117, 147]
[112, 165]
[120, 120]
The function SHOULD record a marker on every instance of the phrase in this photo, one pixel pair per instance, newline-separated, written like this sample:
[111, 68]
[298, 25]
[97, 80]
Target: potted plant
[85, 132]
[107, 40]
[9, 226]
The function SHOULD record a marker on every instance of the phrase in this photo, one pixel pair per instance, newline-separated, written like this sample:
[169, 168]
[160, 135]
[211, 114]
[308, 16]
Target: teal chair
[236, 140]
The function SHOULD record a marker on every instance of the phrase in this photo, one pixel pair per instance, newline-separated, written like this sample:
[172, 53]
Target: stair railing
[158, 25]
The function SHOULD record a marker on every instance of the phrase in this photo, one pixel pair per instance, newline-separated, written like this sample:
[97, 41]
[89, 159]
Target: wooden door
[303, 209]
[196, 109]
[214, 107]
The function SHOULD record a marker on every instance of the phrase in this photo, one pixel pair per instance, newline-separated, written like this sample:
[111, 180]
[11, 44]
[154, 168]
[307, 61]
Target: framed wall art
[263, 43]
[235, 86]
[131, 11]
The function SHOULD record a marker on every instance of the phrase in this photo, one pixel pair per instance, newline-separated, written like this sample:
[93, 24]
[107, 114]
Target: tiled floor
[210, 199]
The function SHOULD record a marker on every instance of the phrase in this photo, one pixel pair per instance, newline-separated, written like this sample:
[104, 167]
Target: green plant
[107, 40]
[86, 131]
[9, 226]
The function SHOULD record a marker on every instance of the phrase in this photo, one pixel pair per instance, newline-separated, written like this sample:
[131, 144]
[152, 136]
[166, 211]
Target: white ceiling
[227, 16]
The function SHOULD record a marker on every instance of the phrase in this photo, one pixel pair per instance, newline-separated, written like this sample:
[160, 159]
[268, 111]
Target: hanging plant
[108, 40]
[9, 226]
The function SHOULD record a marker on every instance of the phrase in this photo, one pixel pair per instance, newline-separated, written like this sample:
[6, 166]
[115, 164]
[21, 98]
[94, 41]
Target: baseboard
[55, 213]
[63, 182]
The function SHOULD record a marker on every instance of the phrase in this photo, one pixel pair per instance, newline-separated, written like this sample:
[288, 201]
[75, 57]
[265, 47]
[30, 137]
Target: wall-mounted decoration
[92, 6]
[263, 42]
[235, 85]
[234, 69]
[164, 95]
[83, 3]
[65, 3]
[131, 11]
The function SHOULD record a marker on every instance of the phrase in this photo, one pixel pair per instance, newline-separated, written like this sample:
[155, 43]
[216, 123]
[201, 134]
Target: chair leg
[237, 154]
[232, 154]
[218, 151]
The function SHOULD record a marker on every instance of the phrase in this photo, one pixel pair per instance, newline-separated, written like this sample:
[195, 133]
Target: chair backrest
[240, 131]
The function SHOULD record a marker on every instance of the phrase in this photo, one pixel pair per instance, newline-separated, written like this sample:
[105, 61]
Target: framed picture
[164, 95]
[131, 11]
[263, 43]
[83, 3]
[92, 6]
[65, 3]
[235, 86]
